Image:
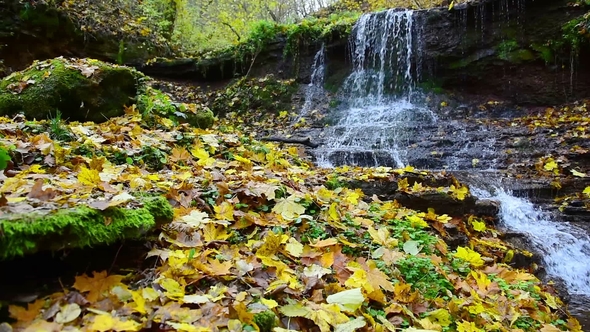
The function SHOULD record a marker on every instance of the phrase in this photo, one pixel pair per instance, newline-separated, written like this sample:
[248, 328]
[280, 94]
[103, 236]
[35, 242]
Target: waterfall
[372, 127]
[315, 88]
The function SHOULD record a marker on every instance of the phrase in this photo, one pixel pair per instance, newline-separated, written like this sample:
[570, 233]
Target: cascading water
[377, 98]
[565, 248]
[315, 88]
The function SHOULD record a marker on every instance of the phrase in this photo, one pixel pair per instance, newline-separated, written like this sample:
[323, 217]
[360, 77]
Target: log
[305, 141]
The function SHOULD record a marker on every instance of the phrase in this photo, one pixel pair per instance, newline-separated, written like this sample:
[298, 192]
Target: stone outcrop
[38, 30]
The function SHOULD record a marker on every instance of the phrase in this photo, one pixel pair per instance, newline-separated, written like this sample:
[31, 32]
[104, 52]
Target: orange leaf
[26, 315]
[96, 285]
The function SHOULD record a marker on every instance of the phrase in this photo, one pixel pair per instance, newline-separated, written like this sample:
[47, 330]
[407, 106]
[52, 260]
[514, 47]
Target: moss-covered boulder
[81, 89]
[153, 102]
[27, 233]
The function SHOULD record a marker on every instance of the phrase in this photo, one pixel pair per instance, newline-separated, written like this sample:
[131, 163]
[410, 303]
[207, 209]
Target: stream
[381, 119]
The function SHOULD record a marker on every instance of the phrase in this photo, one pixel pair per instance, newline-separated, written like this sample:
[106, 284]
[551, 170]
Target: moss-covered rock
[81, 89]
[152, 102]
[251, 94]
[80, 227]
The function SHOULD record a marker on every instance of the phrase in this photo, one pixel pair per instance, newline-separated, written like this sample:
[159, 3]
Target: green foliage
[334, 182]
[4, 157]
[422, 274]
[577, 31]
[57, 130]
[505, 48]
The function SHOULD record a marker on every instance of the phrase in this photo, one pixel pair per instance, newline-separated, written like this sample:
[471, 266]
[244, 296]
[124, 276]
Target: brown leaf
[37, 192]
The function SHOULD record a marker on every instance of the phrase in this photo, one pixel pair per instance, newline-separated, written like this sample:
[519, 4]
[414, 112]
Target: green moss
[266, 320]
[545, 52]
[80, 227]
[42, 17]
[60, 85]
[505, 48]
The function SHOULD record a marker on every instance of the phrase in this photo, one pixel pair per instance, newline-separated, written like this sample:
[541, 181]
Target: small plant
[422, 275]
[4, 157]
[334, 182]
[57, 130]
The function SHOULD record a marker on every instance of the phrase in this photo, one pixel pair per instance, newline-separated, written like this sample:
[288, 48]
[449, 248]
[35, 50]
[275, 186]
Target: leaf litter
[263, 240]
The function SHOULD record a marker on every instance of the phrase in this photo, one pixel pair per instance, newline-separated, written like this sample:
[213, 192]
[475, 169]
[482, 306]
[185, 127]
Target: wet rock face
[499, 48]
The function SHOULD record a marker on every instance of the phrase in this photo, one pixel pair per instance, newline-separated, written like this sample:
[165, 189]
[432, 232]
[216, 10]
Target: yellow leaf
[139, 301]
[470, 256]
[68, 313]
[212, 232]
[586, 191]
[551, 165]
[417, 222]
[271, 304]
[549, 328]
[459, 192]
[288, 208]
[243, 160]
[89, 177]
[403, 184]
[440, 316]
[224, 211]
[272, 243]
[479, 226]
[468, 327]
[173, 289]
[333, 212]
[451, 5]
[382, 237]
[294, 247]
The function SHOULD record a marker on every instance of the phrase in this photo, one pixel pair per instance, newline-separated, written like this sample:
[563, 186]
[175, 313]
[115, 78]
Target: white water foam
[565, 248]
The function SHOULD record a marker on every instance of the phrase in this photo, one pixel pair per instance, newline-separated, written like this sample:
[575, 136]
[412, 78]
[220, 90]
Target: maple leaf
[382, 237]
[294, 248]
[196, 218]
[479, 226]
[89, 177]
[26, 315]
[465, 326]
[289, 208]
[459, 192]
[224, 211]
[470, 256]
[97, 285]
[212, 232]
[179, 154]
